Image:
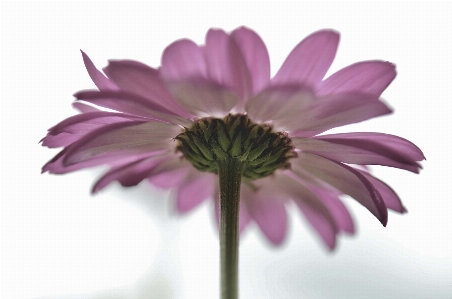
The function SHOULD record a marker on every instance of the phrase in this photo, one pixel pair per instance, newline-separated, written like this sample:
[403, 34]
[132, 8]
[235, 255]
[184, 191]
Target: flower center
[212, 140]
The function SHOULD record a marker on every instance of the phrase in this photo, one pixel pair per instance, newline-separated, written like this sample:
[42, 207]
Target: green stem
[230, 173]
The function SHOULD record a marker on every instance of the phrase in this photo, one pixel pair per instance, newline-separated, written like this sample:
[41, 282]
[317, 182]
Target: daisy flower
[212, 123]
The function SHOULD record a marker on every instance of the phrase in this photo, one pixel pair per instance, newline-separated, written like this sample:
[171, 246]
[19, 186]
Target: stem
[230, 173]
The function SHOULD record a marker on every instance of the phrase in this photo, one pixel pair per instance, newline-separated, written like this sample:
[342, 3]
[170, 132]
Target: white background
[58, 241]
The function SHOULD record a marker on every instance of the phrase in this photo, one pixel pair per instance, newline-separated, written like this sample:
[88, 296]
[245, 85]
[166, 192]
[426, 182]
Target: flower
[170, 125]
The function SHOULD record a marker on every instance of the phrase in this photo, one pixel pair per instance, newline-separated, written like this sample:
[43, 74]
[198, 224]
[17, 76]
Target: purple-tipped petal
[320, 223]
[170, 178]
[391, 199]
[75, 127]
[181, 60]
[82, 123]
[226, 64]
[310, 60]
[197, 187]
[315, 210]
[269, 212]
[256, 57]
[367, 77]
[338, 110]
[203, 99]
[130, 104]
[117, 158]
[130, 174]
[346, 179]
[102, 82]
[362, 149]
[140, 79]
[337, 209]
[282, 105]
[137, 137]
[84, 108]
[370, 140]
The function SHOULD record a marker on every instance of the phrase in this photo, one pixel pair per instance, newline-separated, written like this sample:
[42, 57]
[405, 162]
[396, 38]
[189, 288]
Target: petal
[338, 110]
[337, 209]
[346, 179]
[312, 206]
[269, 212]
[391, 199]
[280, 105]
[60, 140]
[203, 99]
[359, 149]
[136, 137]
[196, 187]
[73, 128]
[170, 178]
[256, 57]
[84, 108]
[391, 142]
[117, 158]
[131, 104]
[102, 82]
[181, 60]
[130, 174]
[320, 223]
[310, 60]
[140, 79]
[226, 64]
[367, 77]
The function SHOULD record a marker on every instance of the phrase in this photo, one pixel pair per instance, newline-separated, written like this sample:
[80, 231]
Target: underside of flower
[212, 140]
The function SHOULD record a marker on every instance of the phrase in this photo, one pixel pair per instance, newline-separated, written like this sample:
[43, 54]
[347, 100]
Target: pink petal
[60, 140]
[82, 123]
[181, 60]
[137, 137]
[102, 82]
[338, 110]
[226, 64]
[346, 179]
[315, 210]
[203, 99]
[320, 223]
[196, 187]
[131, 104]
[140, 79]
[130, 174]
[393, 143]
[170, 178]
[391, 199]
[117, 158]
[84, 108]
[280, 105]
[269, 212]
[358, 149]
[73, 128]
[256, 57]
[337, 209]
[310, 60]
[367, 77]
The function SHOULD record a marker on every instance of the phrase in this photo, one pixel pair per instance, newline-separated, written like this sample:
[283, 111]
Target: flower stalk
[230, 175]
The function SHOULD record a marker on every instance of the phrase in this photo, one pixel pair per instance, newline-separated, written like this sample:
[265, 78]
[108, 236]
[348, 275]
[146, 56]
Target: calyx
[210, 141]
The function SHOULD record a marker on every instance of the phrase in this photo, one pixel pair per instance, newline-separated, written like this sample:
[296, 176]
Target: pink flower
[155, 116]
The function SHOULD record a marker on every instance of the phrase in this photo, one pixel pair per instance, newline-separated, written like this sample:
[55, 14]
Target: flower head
[173, 125]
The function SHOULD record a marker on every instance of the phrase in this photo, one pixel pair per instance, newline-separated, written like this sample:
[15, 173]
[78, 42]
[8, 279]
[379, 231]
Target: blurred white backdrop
[58, 241]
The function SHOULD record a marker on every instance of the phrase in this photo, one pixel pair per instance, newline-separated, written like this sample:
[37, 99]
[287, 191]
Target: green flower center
[211, 141]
